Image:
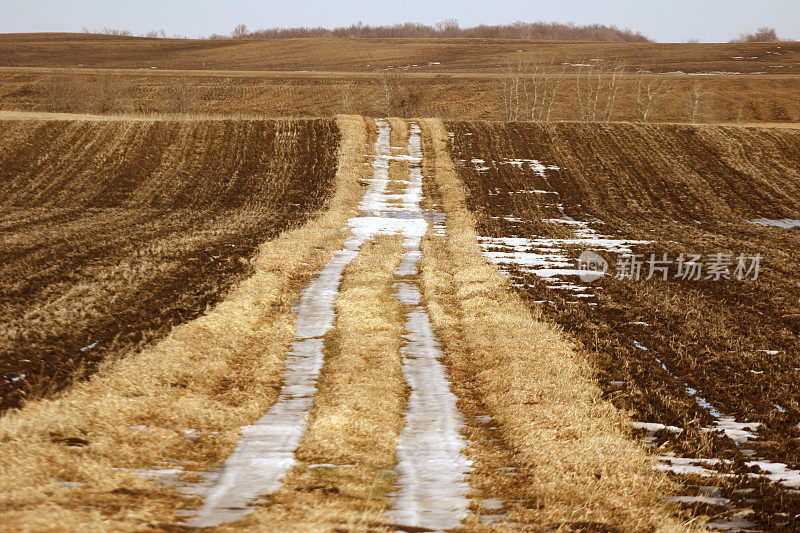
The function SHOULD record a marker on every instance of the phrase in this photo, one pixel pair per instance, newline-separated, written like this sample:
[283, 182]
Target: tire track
[265, 451]
[431, 469]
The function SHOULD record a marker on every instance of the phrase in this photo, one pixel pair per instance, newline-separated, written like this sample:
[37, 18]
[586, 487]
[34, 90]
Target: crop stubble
[684, 189]
[115, 232]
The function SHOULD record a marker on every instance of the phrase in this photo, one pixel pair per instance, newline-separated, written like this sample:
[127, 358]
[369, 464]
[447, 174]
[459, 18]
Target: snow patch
[431, 468]
[786, 223]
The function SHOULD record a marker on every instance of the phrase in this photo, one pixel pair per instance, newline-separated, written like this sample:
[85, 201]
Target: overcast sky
[662, 20]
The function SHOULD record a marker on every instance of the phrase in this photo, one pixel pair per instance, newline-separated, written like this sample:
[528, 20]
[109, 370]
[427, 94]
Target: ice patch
[687, 466]
[653, 427]
[265, 451]
[431, 469]
[786, 223]
[737, 523]
[708, 500]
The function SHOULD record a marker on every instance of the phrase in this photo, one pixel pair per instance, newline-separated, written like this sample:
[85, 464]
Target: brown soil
[115, 232]
[685, 189]
[454, 79]
[367, 55]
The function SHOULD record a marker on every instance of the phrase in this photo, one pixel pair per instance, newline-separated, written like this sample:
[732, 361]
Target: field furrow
[117, 232]
[107, 452]
[707, 366]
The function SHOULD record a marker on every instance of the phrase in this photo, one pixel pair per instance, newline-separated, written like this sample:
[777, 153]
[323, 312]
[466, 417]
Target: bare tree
[761, 35]
[515, 90]
[593, 81]
[613, 87]
[447, 27]
[648, 94]
[696, 103]
[240, 31]
[115, 31]
[156, 34]
[528, 90]
[450, 28]
[538, 81]
[553, 92]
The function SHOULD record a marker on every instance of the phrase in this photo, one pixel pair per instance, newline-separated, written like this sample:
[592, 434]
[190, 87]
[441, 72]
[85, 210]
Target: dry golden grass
[399, 135]
[582, 466]
[211, 375]
[357, 411]
[731, 98]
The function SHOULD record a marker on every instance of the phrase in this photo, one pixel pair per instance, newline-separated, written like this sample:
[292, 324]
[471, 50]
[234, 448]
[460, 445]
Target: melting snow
[547, 258]
[786, 223]
[431, 470]
[709, 500]
[738, 432]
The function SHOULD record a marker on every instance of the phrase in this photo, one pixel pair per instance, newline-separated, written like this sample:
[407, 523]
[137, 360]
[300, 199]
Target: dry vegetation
[464, 79]
[713, 98]
[577, 467]
[685, 189]
[345, 462]
[67, 461]
[115, 232]
[449, 28]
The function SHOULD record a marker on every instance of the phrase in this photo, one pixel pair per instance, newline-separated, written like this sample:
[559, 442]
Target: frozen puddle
[431, 470]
